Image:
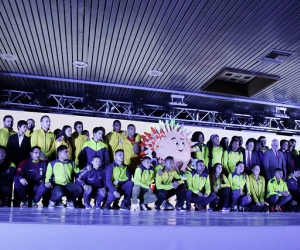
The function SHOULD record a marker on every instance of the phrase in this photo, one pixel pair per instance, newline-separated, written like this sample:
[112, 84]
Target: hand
[116, 182]
[159, 172]
[42, 182]
[175, 184]
[150, 190]
[89, 167]
[86, 188]
[249, 197]
[200, 194]
[216, 189]
[48, 185]
[258, 204]
[294, 203]
[262, 203]
[43, 156]
[116, 194]
[23, 182]
[205, 195]
[285, 193]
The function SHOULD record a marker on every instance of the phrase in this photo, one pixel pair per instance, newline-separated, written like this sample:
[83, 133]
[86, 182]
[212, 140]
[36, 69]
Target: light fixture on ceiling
[280, 112]
[80, 64]
[154, 73]
[9, 57]
[177, 100]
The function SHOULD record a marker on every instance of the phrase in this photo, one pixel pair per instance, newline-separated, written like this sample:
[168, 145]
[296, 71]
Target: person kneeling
[30, 178]
[240, 187]
[60, 174]
[168, 184]
[198, 184]
[93, 183]
[143, 177]
[278, 193]
[118, 182]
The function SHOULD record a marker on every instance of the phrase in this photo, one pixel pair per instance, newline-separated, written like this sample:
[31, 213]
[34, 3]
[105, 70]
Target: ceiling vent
[278, 56]
[239, 82]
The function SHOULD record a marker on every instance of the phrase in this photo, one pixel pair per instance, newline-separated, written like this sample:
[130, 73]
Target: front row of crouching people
[34, 179]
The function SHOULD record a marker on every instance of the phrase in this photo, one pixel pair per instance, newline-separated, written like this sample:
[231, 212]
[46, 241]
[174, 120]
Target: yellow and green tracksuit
[274, 187]
[200, 154]
[197, 183]
[45, 140]
[257, 188]
[131, 159]
[113, 140]
[239, 182]
[217, 154]
[144, 177]
[225, 183]
[77, 141]
[230, 158]
[4, 135]
[165, 180]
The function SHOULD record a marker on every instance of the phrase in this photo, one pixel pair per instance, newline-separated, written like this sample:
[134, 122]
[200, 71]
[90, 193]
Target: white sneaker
[143, 207]
[134, 206]
[51, 204]
[70, 204]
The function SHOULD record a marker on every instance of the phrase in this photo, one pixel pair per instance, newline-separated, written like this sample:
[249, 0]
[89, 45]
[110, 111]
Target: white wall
[59, 120]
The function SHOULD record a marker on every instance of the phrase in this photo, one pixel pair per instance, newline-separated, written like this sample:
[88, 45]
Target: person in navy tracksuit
[30, 178]
[93, 183]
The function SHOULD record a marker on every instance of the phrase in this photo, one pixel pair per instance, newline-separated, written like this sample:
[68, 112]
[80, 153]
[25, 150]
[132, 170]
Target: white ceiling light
[154, 73]
[80, 64]
[9, 57]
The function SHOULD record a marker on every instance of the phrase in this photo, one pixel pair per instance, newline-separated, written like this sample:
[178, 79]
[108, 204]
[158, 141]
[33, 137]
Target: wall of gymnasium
[59, 120]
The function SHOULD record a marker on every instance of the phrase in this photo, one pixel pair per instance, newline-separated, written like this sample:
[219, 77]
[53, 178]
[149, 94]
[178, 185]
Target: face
[250, 146]
[241, 140]
[8, 123]
[30, 124]
[96, 163]
[219, 169]
[278, 175]
[200, 167]
[297, 174]
[256, 170]
[131, 130]
[23, 129]
[119, 156]
[226, 142]
[146, 163]
[45, 123]
[2, 154]
[68, 132]
[79, 128]
[216, 141]
[35, 155]
[169, 164]
[275, 145]
[117, 126]
[235, 145]
[263, 142]
[99, 135]
[285, 145]
[64, 155]
[240, 167]
[292, 144]
[200, 138]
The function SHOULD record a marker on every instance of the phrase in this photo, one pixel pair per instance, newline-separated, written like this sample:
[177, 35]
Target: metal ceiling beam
[109, 108]
[116, 85]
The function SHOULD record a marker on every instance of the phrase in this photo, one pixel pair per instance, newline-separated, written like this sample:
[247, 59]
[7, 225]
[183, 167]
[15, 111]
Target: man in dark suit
[18, 149]
[18, 145]
[289, 163]
[250, 157]
[273, 159]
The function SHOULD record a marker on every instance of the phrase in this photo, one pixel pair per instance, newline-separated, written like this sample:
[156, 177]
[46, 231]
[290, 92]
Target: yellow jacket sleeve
[49, 173]
[159, 185]
[138, 177]
[189, 181]
[207, 186]
[225, 162]
[252, 191]
[226, 184]
[263, 190]
[247, 185]
[178, 177]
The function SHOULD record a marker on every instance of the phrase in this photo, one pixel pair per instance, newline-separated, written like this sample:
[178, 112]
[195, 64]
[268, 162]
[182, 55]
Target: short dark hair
[21, 123]
[169, 158]
[199, 161]
[278, 169]
[44, 116]
[96, 129]
[254, 165]
[116, 121]
[61, 148]
[119, 150]
[261, 137]
[77, 123]
[297, 169]
[146, 158]
[7, 116]
[96, 156]
[250, 140]
[283, 141]
[35, 147]
[130, 125]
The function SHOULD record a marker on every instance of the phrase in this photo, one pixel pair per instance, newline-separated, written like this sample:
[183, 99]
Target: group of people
[221, 176]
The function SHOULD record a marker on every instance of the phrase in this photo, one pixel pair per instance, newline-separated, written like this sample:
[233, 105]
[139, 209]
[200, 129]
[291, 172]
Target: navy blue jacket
[94, 178]
[293, 185]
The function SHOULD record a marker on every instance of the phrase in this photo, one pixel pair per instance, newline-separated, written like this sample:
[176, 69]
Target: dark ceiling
[189, 41]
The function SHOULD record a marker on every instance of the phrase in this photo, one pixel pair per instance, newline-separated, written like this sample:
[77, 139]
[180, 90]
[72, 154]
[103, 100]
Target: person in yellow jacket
[7, 130]
[78, 139]
[198, 185]
[257, 190]
[232, 156]
[44, 139]
[65, 138]
[214, 152]
[143, 178]
[199, 148]
[240, 187]
[278, 193]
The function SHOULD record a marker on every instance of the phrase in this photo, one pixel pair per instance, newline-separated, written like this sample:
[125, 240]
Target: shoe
[124, 207]
[87, 206]
[97, 206]
[59, 204]
[188, 208]
[181, 209]
[246, 209]
[51, 204]
[143, 207]
[210, 209]
[241, 209]
[166, 205]
[157, 208]
[24, 205]
[134, 207]
[35, 205]
[272, 209]
[115, 206]
[107, 207]
[225, 209]
[278, 208]
[70, 204]
[81, 205]
[234, 209]
[198, 208]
